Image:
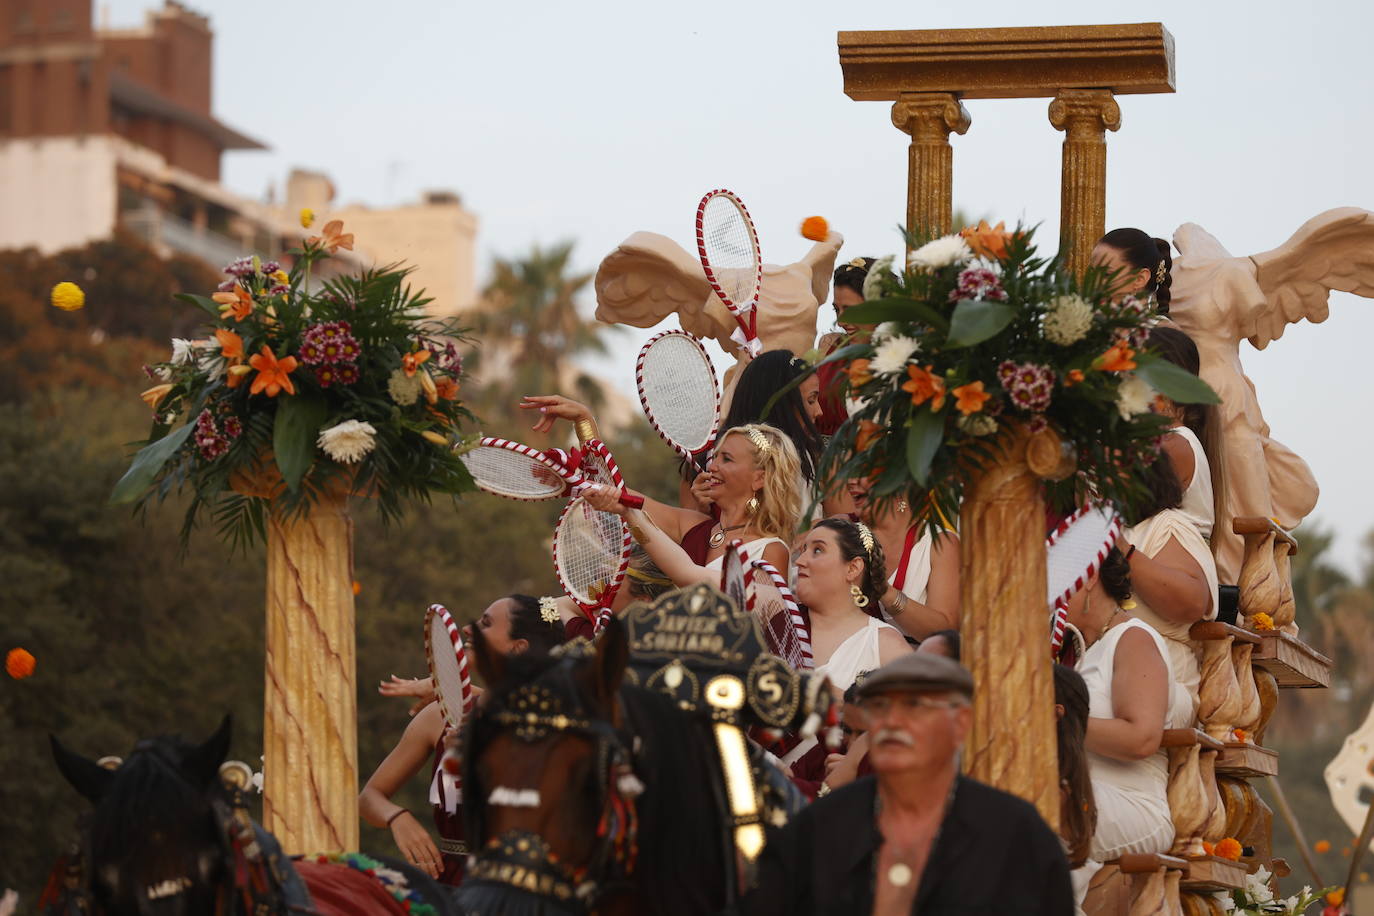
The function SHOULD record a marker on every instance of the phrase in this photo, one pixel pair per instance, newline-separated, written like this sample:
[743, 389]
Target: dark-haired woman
[1138, 263]
[1196, 450]
[1077, 808]
[511, 625]
[1132, 698]
[848, 292]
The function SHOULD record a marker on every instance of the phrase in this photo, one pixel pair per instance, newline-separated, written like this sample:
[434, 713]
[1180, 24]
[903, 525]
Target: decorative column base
[310, 738]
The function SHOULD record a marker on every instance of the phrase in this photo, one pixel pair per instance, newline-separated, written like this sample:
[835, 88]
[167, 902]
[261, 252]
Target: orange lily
[1073, 378]
[970, 398]
[230, 344]
[447, 388]
[332, 237]
[858, 373]
[239, 303]
[154, 395]
[867, 435]
[1118, 358]
[412, 361]
[236, 374]
[987, 241]
[274, 375]
[925, 385]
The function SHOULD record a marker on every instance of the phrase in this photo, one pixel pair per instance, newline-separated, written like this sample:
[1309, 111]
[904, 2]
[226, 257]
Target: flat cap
[919, 671]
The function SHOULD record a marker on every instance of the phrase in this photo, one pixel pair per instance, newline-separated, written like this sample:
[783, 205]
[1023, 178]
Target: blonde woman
[751, 480]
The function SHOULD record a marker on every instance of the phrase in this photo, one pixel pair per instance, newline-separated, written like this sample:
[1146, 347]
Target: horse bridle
[522, 860]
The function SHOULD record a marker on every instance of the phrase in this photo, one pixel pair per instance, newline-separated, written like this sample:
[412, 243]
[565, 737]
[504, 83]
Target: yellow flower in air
[307, 217]
[68, 297]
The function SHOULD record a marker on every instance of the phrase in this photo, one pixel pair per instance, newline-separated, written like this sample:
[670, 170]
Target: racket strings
[589, 548]
[508, 473]
[731, 250]
[678, 385]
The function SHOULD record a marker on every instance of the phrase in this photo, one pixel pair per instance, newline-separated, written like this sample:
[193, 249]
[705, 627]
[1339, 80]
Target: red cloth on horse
[342, 891]
[450, 827]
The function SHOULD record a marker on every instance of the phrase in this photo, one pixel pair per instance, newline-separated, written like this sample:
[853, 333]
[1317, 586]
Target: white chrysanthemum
[183, 351]
[873, 281]
[404, 389]
[885, 330]
[1134, 396]
[977, 424]
[942, 252]
[891, 355]
[349, 442]
[1067, 319]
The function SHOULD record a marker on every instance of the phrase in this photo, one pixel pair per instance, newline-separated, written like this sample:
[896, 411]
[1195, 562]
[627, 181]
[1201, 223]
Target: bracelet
[396, 815]
[586, 429]
[899, 603]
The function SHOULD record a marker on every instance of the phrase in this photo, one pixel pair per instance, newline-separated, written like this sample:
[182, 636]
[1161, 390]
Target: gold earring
[860, 599]
[752, 507]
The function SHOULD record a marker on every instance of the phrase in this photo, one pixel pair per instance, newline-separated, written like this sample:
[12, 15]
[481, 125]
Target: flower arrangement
[976, 336]
[298, 387]
[1257, 898]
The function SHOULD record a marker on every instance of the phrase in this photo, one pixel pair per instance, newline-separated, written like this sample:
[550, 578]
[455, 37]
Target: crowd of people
[892, 821]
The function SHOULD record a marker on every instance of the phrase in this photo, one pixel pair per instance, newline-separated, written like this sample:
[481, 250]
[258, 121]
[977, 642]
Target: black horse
[168, 836]
[586, 795]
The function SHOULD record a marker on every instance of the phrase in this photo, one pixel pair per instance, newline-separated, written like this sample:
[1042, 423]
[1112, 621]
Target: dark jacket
[994, 854]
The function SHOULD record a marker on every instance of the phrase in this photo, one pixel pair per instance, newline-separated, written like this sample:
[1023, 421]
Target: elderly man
[916, 837]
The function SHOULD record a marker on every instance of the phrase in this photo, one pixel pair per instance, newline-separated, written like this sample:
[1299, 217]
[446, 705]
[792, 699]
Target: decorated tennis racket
[673, 375]
[517, 471]
[1074, 552]
[591, 549]
[448, 669]
[728, 245]
[784, 628]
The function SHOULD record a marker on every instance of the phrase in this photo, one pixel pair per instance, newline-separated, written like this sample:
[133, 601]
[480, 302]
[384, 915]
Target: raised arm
[661, 547]
[400, 766]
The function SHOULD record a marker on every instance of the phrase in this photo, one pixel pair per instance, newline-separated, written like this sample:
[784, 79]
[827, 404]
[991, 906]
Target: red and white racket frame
[1059, 615]
[793, 609]
[749, 326]
[560, 458]
[644, 405]
[450, 762]
[521, 448]
[602, 607]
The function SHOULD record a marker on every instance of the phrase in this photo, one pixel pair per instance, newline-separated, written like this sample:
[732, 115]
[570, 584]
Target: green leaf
[923, 439]
[299, 418]
[976, 320]
[894, 309]
[204, 302]
[1174, 382]
[146, 465]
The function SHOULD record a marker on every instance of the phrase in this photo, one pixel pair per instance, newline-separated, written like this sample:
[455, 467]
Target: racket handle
[631, 500]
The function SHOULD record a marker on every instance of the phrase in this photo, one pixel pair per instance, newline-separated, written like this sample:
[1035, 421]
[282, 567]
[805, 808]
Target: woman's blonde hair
[780, 502]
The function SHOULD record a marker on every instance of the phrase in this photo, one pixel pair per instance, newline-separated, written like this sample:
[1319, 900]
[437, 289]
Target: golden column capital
[929, 117]
[1085, 116]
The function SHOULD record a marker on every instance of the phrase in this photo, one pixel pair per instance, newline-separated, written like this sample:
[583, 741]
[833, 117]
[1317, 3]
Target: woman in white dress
[1197, 445]
[753, 481]
[1133, 697]
[922, 597]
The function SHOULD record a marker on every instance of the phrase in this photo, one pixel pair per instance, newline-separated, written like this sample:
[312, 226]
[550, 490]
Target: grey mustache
[893, 734]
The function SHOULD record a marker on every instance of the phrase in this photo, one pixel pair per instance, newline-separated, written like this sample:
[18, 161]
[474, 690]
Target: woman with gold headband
[752, 481]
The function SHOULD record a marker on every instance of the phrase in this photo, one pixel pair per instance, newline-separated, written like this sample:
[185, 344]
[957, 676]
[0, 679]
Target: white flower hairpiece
[548, 609]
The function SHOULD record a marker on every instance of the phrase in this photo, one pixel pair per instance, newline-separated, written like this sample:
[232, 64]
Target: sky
[589, 121]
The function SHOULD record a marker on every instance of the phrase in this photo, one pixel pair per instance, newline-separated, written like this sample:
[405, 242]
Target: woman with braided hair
[1140, 264]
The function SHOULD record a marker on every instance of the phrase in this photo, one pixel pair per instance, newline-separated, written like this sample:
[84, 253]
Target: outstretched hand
[604, 498]
[422, 688]
[554, 407]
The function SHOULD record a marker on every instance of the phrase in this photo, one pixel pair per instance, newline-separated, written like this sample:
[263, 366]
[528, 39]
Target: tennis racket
[673, 375]
[517, 471]
[784, 628]
[448, 669]
[591, 549]
[728, 246]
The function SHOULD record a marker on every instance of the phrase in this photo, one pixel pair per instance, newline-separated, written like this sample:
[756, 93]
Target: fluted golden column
[1005, 624]
[310, 741]
[928, 117]
[1085, 116]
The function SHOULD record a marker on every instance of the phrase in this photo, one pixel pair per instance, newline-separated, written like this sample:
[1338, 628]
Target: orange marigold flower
[1336, 897]
[970, 398]
[19, 663]
[815, 228]
[1240, 735]
[987, 241]
[1118, 358]
[868, 433]
[1229, 848]
[332, 237]
[154, 395]
[447, 387]
[1073, 377]
[1208, 848]
[411, 361]
[1262, 623]
[925, 385]
[1322, 846]
[858, 373]
[274, 375]
[238, 303]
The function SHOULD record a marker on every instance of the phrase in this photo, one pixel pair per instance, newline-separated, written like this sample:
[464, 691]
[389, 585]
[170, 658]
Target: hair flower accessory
[548, 609]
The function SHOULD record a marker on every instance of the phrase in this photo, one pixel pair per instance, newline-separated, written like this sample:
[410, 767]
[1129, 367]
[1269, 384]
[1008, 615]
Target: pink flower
[330, 342]
[978, 283]
[1028, 386]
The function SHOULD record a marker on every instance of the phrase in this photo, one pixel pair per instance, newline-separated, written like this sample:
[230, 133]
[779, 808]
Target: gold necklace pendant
[899, 874]
[718, 538]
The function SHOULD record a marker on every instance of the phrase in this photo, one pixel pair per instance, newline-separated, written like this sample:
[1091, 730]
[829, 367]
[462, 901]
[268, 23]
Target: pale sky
[592, 120]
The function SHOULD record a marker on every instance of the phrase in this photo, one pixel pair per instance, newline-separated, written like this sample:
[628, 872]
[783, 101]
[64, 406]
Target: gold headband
[646, 578]
[760, 441]
[1159, 273]
[866, 537]
[548, 609]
